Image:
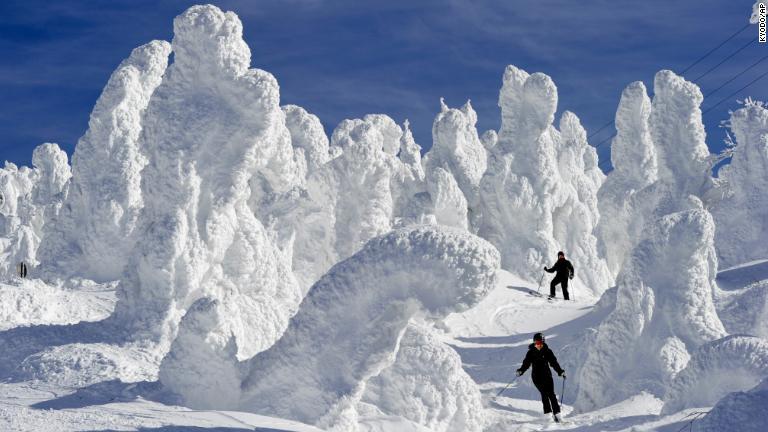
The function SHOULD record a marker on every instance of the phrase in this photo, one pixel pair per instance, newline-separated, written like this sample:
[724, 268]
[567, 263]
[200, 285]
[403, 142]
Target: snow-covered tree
[95, 233]
[741, 215]
[538, 194]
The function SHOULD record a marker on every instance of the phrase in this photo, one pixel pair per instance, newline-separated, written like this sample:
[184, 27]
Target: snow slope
[28, 302]
[743, 411]
[490, 346]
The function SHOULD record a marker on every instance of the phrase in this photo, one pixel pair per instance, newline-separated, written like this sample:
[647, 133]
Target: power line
[601, 128]
[715, 48]
[758, 78]
[738, 32]
[735, 76]
[605, 140]
[751, 41]
[735, 93]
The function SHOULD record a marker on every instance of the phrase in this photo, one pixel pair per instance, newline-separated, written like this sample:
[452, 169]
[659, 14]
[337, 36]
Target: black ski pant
[546, 387]
[559, 280]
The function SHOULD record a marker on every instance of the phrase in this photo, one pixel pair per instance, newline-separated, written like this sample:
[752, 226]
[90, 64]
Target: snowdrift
[742, 411]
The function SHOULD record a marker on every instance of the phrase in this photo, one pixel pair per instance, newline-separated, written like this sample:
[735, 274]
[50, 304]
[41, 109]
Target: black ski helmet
[561, 253]
[538, 337]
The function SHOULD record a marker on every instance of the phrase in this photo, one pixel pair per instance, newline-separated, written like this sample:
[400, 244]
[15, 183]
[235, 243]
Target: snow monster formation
[530, 209]
[348, 329]
[95, 233]
[211, 127]
[307, 134]
[427, 385]
[746, 312]
[17, 240]
[664, 311]
[30, 199]
[733, 363]
[370, 186]
[633, 156]
[741, 215]
[454, 166]
[660, 158]
[668, 253]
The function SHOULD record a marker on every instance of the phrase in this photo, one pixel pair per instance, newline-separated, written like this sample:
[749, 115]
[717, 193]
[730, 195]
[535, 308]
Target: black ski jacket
[563, 267]
[541, 360]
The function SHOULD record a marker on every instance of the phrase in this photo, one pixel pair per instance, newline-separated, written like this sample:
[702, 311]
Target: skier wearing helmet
[541, 358]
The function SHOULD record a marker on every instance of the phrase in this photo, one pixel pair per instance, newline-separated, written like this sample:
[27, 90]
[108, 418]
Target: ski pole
[538, 289]
[562, 392]
[506, 387]
[573, 287]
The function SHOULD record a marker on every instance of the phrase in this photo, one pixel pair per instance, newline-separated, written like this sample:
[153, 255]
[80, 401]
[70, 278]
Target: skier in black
[564, 270]
[541, 358]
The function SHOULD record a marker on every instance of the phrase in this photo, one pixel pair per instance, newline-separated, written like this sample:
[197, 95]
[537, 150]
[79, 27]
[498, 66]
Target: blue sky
[344, 59]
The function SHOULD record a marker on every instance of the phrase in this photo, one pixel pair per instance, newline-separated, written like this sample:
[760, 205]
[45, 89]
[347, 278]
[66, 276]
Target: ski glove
[563, 374]
[545, 268]
[571, 276]
[519, 372]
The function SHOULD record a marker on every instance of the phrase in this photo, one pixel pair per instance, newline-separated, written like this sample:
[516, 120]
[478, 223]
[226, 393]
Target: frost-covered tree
[733, 363]
[741, 215]
[372, 183]
[458, 153]
[530, 207]
[211, 127]
[660, 157]
[346, 331]
[427, 385]
[633, 156]
[664, 311]
[95, 233]
[31, 201]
